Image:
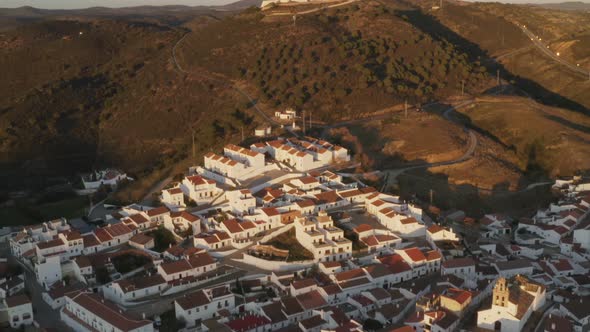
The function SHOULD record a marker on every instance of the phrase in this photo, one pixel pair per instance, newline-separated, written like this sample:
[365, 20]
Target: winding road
[392, 174]
[545, 50]
[223, 82]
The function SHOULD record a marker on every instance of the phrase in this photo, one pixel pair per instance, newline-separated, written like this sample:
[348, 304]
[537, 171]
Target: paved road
[392, 174]
[310, 11]
[545, 50]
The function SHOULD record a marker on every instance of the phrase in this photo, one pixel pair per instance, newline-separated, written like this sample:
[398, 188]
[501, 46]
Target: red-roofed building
[84, 311]
[173, 198]
[249, 322]
[199, 189]
[421, 262]
[455, 300]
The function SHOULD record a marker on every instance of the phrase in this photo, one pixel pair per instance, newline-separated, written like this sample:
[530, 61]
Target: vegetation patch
[163, 239]
[128, 262]
[288, 241]
[26, 212]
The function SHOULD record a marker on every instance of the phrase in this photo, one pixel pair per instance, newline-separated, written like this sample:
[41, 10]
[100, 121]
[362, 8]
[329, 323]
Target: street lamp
[557, 53]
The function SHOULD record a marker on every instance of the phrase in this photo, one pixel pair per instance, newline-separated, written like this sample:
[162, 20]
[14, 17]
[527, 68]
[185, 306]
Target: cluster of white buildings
[325, 241]
[401, 273]
[564, 224]
[107, 177]
[303, 154]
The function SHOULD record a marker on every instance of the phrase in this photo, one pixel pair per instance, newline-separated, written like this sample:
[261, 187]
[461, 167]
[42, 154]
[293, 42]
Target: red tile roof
[116, 230]
[141, 238]
[108, 311]
[247, 323]
[174, 191]
[311, 300]
[176, 267]
[328, 197]
[200, 260]
[270, 211]
[458, 262]
[351, 274]
[138, 218]
[51, 243]
[459, 295]
[102, 235]
[158, 211]
[15, 301]
[415, 254]
[232, 226]
[363, 228]
[299, 284]
[396, 263]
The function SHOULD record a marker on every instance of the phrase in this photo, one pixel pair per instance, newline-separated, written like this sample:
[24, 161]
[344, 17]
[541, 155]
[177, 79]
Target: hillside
[544, 138]
[521, 63]
[78, 95]
[105, 90]
[349, 60]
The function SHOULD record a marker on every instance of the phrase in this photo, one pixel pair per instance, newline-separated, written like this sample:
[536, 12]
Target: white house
[48, 271]
[288, 114]
[322, 239]
[89, 311]
[241, 201]
[251, 159]
[126, 290]
[19, 309]
[421, 262]
[199, 189]
[203, 304]
[212, 240]
[509, 269]
[108, 177]
[462, 267]
[142, 241]
[193, 266]
[173, 198]
[436, 233]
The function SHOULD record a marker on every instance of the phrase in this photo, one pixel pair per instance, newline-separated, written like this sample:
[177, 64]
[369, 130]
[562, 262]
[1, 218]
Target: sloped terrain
[352, 59]
[77, 95]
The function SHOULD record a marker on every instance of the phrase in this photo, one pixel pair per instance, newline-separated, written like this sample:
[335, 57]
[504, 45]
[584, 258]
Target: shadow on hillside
[465, 120]
[438, 31]
[417, 183]
[473, 200]
[568, 123]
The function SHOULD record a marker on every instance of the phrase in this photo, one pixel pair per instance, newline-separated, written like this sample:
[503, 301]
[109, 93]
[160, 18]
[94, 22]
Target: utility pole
[498, 76]
[462, 87]
[194, 153]
[431, 196]
[303, 116]
[242, 133]
[406, 108]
